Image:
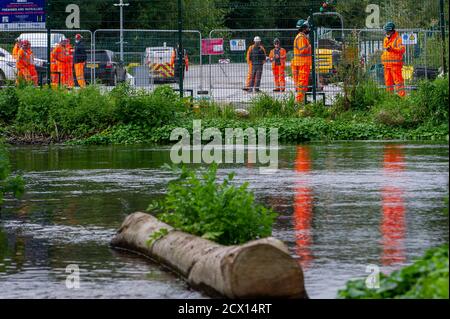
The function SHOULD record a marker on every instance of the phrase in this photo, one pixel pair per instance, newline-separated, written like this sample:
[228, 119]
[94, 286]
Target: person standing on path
[79, 60]
[278, 58]
[257, 57]
[392, 59]
[302, 62]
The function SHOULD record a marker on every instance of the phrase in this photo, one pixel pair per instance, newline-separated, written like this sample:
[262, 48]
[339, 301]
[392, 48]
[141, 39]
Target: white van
[157, 60]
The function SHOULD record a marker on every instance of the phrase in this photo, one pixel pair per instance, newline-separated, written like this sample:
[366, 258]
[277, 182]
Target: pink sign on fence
[212, 46]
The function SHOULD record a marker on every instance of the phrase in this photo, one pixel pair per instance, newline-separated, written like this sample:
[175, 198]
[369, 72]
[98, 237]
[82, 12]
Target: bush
[431, 101]
[8, 184]
[426, 278]
[85, 112]
[59, 113]
[9, 103]
[266, 106]
[395, 111]
[429, 104]
[364, 96]
[222, 212]
[155, 109]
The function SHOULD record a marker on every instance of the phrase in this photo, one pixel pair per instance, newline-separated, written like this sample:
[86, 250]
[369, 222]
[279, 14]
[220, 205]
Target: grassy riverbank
[127, 116]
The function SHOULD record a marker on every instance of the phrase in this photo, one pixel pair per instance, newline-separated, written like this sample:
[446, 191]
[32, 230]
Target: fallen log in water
[261, 268]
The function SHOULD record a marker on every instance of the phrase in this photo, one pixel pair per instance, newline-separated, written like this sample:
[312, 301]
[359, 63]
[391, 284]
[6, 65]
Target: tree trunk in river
[261, 268]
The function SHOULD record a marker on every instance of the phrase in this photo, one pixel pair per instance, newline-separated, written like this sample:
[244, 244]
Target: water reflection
[303, 207]
[393, 207]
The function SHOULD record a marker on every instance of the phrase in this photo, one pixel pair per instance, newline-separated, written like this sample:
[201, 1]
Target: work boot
[246, 89]
[276, 90]
[257, 90]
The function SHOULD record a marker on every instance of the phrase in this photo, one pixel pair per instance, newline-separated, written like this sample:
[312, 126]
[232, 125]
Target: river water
[342, 207]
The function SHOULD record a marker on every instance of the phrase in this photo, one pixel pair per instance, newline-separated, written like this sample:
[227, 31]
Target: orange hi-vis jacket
[281, 61]
[393, 51]
[174, 57]
[24, 59]
[15, 51]
[302, 51]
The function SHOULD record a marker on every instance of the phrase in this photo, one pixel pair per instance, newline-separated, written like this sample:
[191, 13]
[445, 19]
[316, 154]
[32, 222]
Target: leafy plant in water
[221, 212]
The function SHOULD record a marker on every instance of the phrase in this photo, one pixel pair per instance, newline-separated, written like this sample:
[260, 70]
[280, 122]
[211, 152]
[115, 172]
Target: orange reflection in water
[303, 206]
[393, 205]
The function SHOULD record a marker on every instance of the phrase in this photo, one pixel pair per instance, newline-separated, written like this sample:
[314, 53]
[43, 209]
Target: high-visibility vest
[174, 58]
[25, 58]
[395, 55]
[282, 57]
[302, 50]
[15, 51]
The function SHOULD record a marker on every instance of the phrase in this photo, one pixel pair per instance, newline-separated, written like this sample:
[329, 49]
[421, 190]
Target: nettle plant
[222, 212]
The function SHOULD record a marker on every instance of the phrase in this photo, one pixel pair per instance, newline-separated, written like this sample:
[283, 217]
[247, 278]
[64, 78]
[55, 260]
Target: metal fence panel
[228, 72]
[147, 54]
[39, 46]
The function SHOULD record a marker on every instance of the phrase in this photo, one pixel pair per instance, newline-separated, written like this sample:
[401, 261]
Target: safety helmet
[302, 24]
[78, 36]
[390, 26]
[257, 39]
[276, 41]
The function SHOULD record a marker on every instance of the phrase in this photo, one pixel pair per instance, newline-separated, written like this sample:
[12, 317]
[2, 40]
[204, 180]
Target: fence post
[49, 44]
[312, 40]
[444, 49]
[180, 48]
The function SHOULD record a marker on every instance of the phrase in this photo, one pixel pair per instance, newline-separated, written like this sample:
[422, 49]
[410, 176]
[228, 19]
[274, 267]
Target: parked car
[7, 67]
[106, 66]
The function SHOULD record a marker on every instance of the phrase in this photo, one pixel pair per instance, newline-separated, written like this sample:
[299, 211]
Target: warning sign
[212, 46]
[237, 45]
[409, 38]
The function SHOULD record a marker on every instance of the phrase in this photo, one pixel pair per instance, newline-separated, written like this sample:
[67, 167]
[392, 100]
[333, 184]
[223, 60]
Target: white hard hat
[257, 39]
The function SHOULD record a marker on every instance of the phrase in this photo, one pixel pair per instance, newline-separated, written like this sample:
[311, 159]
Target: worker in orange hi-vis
[55, 77]
[278, 58]
[174, 63]
[392, 59]
[59, 54]
[69, 65]
[64, 63]
[15, 50]
[26, 70]
[301, 64]
[256, 40]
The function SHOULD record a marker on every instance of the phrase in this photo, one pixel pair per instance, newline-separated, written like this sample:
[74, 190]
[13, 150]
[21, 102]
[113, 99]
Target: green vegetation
[220, 212]
[128, 116]
[8, 184]
[425, 279]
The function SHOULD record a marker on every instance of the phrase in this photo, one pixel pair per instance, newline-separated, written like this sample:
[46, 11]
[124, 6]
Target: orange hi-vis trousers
[393, 78]
[79, 73]
[28, 74]
[67, 74]
[249, 75]
[300, 75]
[279, 76]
